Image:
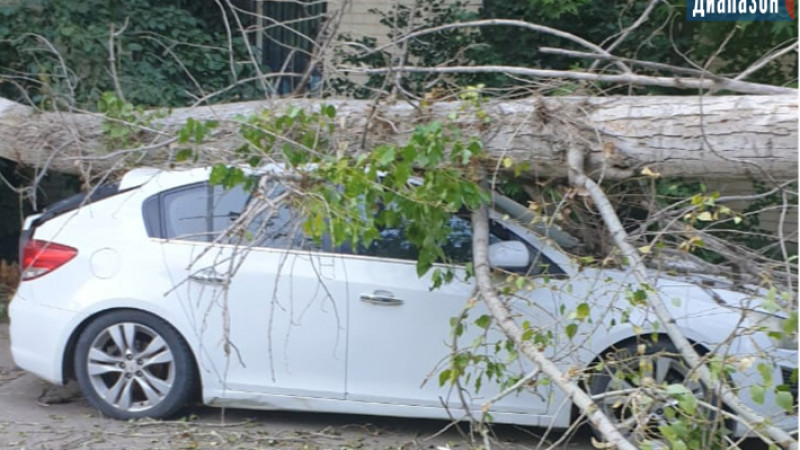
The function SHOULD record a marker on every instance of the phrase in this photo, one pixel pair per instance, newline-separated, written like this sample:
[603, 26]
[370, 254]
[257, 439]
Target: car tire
[616, 385]
[131, 364]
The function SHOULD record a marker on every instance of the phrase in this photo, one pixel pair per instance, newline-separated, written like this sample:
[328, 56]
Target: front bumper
[39, 335]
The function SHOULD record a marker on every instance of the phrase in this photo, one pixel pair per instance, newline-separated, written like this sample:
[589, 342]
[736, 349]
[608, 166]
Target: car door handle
[381, 298]
[208, 276]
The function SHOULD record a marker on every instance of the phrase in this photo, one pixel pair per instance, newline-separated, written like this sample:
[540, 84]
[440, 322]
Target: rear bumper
[38, 338]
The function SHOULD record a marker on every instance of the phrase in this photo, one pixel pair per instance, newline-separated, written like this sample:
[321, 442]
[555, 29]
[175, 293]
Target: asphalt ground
[37, 415]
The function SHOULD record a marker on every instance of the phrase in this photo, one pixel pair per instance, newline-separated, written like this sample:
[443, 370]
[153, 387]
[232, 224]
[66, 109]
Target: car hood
[713, 291]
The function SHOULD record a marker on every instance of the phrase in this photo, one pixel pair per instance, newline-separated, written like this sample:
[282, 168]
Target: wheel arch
[625, 342]
[652, 337]
[67, 366]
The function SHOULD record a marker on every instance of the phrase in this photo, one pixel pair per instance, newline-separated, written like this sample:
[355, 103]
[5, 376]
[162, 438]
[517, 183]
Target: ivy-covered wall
[166, 53]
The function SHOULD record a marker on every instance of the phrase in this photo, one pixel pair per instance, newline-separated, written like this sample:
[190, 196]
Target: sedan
[140, 292]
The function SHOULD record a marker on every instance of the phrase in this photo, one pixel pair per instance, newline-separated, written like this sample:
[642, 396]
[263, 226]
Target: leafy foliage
[419, 185]
[123, 121]
[738, 227]
[56, 53]
[665, 38]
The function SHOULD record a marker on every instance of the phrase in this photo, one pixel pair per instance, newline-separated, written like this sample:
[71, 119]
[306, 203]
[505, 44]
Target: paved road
[36, 415]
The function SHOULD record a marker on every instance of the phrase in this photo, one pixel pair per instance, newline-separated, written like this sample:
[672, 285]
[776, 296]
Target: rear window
[76, 201]
[202, 212]
[198, 212]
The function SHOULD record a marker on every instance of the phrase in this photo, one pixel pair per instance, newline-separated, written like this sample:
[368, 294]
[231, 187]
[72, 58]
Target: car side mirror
[512, 255]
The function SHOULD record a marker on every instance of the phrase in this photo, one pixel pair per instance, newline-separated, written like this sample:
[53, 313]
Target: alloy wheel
[131, 367]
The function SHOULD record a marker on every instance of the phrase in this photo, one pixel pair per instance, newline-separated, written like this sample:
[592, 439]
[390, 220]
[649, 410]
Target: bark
[727, 136]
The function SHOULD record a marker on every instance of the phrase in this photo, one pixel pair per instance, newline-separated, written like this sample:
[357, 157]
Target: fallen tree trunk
[711, 137]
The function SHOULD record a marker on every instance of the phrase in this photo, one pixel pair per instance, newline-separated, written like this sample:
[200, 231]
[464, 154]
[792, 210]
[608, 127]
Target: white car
[130, 292]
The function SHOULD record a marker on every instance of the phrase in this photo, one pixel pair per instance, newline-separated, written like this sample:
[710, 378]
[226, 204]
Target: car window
[202, 212]
[280, 228]
[185, 213]
[458, 247]
[540, 264]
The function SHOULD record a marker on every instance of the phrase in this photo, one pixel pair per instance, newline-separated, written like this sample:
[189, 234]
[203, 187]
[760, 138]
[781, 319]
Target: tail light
[42, 257]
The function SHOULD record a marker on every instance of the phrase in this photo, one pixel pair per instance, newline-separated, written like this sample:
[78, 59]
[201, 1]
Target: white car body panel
[286, 332]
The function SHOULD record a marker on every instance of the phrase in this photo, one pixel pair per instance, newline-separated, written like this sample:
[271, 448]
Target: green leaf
[184, 134]
[784, 400]
[483, 321]
[679, 445]
[571, 330]
[757, 393]
[329, 111]
[637, 297]
[790, 325]
[583, 311]
[218, 174]
[254, 161]
[385, 154]
[235, 177]
[436, 279]
[686, 400]
[183, 154]
[444, 376]
[425, 261]
[766, 373]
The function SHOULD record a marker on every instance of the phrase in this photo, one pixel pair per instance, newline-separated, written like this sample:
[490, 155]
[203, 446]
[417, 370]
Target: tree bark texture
[710, 137]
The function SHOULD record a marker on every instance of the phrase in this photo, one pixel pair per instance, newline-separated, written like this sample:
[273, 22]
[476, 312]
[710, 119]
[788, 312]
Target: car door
[261, 302]
[400, 333]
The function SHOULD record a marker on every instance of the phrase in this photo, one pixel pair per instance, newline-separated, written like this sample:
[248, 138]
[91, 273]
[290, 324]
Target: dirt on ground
[37, 415]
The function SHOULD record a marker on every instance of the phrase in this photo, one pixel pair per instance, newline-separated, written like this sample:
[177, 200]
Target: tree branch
[627, 78]
[625, 133]
[654, 301]
[480, 245]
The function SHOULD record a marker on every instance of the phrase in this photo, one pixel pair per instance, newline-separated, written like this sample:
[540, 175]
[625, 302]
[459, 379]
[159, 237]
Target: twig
[480, 243]
[626, 32]
[648, 64]
[521, 382]
[765, 60]
[654, 301]
[112, 60]
[628, 78]
[501, 22]
[152, 423]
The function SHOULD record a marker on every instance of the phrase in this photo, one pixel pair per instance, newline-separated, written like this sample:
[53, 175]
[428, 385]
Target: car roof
[163, 179]
[155, 179]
